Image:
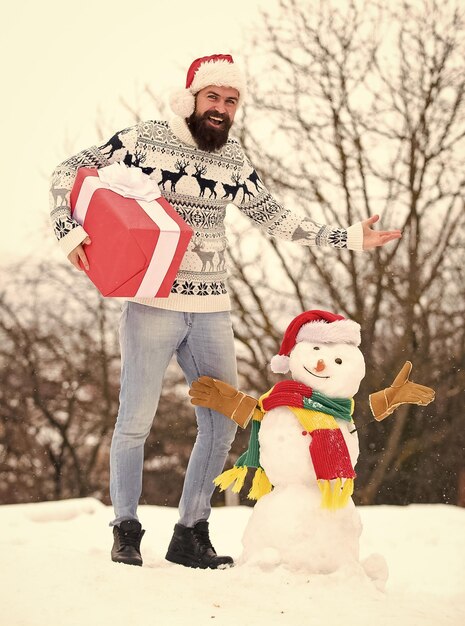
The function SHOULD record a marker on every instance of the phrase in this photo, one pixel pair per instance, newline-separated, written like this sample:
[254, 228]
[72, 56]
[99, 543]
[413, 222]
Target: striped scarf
[328, 450]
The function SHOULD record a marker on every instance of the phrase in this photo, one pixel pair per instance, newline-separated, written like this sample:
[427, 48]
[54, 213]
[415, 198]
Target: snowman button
[304, 432]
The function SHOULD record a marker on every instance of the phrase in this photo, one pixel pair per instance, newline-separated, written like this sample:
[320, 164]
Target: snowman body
[288, 526]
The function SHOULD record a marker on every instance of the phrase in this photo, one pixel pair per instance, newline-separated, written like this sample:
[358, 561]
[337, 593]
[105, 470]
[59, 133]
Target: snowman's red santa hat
[316, 327]
[216, 69]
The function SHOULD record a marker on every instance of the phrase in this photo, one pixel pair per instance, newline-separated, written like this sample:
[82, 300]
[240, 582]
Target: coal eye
[338, 361]
[316, 348]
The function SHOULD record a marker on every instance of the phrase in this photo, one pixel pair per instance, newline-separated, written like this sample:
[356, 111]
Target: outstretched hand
[401, 391]
[374, 238]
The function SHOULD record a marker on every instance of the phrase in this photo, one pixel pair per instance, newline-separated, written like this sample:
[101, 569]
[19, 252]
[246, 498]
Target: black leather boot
[192, 547]
[126, 544]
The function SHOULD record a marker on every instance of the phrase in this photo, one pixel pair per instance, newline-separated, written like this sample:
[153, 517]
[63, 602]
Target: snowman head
[321, 351]
[334, 369]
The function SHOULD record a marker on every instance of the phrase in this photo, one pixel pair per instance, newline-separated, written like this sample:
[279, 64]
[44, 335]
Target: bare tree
[362, 108]
[59, 375]
[59, 386]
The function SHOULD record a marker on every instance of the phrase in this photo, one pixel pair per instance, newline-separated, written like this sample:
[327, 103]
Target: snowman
[304, 446]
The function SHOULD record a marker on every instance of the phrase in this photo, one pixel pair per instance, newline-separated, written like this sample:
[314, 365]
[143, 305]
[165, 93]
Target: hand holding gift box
[138, 239]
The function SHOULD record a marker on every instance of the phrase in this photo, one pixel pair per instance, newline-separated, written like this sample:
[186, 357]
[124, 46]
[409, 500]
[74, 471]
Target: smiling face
[219, 102]
[214, 113]
[333, 369]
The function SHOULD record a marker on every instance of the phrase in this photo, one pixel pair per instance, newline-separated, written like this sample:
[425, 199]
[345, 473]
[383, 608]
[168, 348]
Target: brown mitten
[221, 397]
[402, 391]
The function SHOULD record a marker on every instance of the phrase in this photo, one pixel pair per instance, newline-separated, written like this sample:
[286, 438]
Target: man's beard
[207, 137]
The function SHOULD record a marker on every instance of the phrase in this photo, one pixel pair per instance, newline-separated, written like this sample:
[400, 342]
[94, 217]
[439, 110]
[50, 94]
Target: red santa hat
[316, 327]
[216, 69]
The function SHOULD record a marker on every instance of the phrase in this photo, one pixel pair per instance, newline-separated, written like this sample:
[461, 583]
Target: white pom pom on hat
[318, 327]
[279, 364]
[182, 102]
[216, 69]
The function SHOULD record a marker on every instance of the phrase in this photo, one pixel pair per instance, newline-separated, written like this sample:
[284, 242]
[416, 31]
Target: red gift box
[137, 245]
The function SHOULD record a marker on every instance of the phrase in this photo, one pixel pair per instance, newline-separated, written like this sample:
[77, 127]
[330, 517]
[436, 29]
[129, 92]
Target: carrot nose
[320, 366]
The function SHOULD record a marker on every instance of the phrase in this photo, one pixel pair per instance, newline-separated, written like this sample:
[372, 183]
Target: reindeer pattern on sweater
[199, 185]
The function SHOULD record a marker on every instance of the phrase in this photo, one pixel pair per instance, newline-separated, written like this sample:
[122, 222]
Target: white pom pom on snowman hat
[318, 327]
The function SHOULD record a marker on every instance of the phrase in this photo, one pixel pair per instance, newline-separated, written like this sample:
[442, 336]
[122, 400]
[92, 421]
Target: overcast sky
[67, 64]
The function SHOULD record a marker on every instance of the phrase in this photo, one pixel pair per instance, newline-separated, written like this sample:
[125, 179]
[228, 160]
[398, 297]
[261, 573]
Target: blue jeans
[204, 345]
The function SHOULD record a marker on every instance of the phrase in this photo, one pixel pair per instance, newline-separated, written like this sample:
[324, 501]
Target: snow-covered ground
[55, 569]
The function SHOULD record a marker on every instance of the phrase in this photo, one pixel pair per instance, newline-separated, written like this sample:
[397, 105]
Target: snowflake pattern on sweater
[199, 185]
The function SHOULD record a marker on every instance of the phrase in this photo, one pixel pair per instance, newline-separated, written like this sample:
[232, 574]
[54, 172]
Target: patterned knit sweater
[199, 185]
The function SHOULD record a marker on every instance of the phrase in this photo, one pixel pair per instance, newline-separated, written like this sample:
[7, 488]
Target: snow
[55, 569]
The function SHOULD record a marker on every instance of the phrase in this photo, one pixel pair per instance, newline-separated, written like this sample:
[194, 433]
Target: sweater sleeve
[68, 232]
[260, 206]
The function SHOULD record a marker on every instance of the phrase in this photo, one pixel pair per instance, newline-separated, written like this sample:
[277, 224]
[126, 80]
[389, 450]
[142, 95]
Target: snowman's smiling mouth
[307, 370]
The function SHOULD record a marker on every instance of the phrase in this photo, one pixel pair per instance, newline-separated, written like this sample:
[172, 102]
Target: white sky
[65, 64]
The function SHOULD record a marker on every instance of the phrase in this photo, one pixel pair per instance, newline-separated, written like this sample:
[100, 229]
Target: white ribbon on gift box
[131, 182]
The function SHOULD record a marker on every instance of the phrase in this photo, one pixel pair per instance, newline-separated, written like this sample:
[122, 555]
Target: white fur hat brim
[220, 73]
[217, 72]
[340, 331]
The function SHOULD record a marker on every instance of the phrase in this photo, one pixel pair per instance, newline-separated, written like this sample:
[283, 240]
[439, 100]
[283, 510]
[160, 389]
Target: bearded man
[187, 156]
